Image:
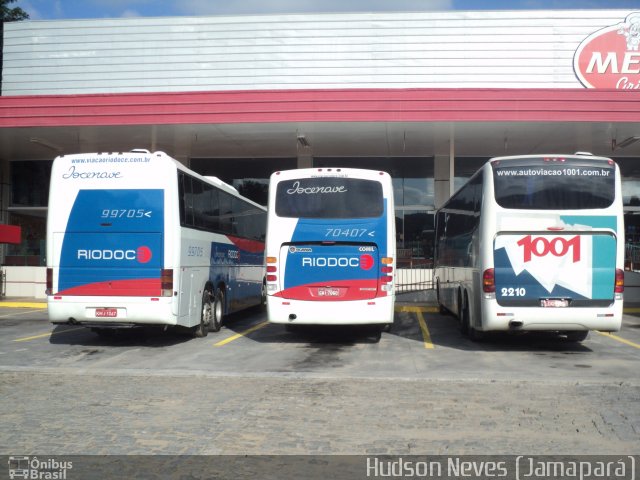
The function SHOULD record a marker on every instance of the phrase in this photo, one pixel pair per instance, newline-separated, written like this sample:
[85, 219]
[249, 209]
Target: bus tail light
[489, 281]
[272, 268]
[619, 286]
[387, 273]
[49, 287]
[166, 282]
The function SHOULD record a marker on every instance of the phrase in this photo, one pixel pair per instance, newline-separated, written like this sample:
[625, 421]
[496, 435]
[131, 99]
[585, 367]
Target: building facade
[426, 96]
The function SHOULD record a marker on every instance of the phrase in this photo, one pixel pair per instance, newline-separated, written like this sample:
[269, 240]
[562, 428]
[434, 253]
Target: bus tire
[477, 335]
[206, 313]
[377, 333]
[217, 311]
[467, 329]
[463, 316]
[441, 308]
[263, 296]
[577, 335]
[202, 329]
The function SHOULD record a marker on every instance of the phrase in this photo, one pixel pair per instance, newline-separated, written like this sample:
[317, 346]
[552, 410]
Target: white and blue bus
[138, 239]
[330, 249]
[531, 243]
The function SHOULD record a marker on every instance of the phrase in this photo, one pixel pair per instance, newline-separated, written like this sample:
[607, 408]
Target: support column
[154, 138]
[304, 151]
[4, 202]
[305, 160]
[444, 160]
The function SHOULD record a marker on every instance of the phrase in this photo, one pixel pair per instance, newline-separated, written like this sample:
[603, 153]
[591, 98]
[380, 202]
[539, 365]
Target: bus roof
[575, 156]
[331, 171]
[141, 153]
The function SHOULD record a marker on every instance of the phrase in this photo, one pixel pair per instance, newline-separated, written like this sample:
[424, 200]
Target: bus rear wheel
[477, 335]
[217, 311]
[577, 336]
[463, 316]
[205, 315]
[441, 308]
[263, 296]
[466, 328]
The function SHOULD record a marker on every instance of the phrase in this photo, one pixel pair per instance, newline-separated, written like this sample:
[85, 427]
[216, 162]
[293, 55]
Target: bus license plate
[329, 292]
[554, 302]
[106, 312]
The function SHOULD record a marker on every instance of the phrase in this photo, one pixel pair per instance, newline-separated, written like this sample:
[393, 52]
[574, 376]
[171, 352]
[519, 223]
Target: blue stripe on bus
[316, 230]
[112, 235]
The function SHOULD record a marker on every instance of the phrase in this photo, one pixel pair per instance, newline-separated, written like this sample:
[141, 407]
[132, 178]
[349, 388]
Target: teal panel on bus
[578, 266]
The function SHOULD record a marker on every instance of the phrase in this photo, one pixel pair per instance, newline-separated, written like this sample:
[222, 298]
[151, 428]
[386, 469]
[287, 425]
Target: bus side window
[255, 223]
[181, 198]
[186, 212]
[240, 219]
[197, 194]
[213, 209]
[226, 220]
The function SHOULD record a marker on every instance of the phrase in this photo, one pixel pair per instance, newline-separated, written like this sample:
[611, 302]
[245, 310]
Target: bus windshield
[329, 197]
[556, 184]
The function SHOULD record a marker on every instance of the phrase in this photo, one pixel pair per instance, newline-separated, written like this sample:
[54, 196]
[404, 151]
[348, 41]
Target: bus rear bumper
[354, 312]
[111, 311]
[497, 318]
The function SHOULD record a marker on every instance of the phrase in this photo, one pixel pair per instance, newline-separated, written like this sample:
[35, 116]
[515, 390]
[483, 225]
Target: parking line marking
[16, 314]
[412, 309]
[241, 334]
[620, 339]
[44, 335]
[425, 331]
[426, 336]
[38, 305]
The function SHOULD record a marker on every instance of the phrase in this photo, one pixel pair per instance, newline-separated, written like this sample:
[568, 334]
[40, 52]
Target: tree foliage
[11, 14]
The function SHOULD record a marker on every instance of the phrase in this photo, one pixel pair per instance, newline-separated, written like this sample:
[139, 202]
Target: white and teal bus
[330, 248]
[138, 239]
[534, 242]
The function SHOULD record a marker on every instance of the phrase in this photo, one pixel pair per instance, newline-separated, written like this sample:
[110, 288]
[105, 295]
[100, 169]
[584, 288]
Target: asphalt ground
[257, 389]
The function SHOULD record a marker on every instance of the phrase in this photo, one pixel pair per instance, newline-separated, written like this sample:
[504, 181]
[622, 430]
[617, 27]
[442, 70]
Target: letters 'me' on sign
[610, 58]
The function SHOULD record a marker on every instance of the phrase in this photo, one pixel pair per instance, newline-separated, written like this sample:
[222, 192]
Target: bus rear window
[329, 197]
[562, 185]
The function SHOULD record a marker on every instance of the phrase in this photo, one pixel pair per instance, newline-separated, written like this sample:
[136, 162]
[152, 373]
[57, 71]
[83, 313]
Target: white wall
[28, 282]
[494, 49]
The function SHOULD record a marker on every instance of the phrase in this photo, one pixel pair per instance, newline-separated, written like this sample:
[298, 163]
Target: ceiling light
[626, 142]
[46, 143]
[302, 140]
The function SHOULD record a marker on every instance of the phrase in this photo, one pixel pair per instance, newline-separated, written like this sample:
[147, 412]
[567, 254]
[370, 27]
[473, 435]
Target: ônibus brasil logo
[141, 254]
[610, 58]
[365, 262]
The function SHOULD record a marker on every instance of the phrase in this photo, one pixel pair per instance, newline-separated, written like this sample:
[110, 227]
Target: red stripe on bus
[246, 245]
[146, 287]
[348, 290]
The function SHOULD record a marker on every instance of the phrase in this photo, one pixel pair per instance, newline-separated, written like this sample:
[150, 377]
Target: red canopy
[10, 234]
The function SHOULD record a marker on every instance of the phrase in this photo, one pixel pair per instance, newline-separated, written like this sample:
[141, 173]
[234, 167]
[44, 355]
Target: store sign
[610, 58]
